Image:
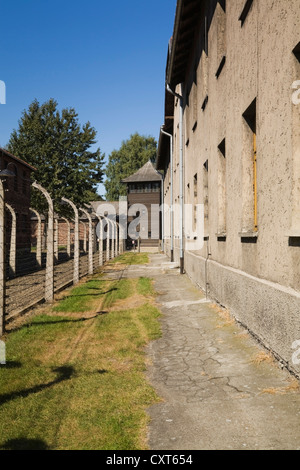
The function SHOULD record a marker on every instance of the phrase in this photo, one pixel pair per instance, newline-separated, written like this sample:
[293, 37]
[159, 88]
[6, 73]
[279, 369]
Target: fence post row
[114, 243]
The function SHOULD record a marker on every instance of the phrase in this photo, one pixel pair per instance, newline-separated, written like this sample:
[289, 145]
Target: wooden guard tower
[144, 188]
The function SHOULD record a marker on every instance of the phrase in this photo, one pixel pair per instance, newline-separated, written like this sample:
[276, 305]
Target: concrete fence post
[38, 239]
[49, 281]
[107, 239]
[116, 240]
[56, 236]
[120, 239]
[91, 267]
[84, 236]
[76, 241]
[13, 241]
[2, 260]
[112, 239]
[100, 240]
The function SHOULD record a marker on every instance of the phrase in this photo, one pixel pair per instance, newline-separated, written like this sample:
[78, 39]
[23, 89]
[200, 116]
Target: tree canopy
[131, 156]
[59, 148]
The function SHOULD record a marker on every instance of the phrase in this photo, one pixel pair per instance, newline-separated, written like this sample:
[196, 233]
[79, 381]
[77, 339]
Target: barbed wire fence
[41, 254]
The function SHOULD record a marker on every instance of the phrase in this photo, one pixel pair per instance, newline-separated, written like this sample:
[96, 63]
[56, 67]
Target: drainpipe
[180, 174]
[171, 190]
[162, 216]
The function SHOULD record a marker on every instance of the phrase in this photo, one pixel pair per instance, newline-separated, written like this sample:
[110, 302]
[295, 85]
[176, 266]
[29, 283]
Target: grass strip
[77, 381]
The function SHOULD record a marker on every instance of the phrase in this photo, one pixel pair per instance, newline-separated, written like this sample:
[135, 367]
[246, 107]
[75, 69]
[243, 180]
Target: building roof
[188, 15]
[145, 174]
[17, 159]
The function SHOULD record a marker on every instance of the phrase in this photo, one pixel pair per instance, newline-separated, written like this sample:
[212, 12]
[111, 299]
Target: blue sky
[106, 59]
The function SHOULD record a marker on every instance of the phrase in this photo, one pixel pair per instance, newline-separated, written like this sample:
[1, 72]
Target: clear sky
[106, 59]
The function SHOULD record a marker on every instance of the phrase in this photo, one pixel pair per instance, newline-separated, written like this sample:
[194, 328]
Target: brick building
[17, 194]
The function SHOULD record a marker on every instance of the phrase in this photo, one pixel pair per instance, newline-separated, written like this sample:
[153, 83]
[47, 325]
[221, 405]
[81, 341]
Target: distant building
[144, 189]
[17, 194]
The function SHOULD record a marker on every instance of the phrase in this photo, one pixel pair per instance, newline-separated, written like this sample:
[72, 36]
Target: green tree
[59, 148]
[133, 154]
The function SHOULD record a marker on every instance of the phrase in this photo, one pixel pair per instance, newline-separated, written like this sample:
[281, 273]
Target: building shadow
[24, 444]
[63, 373]
[11, 365]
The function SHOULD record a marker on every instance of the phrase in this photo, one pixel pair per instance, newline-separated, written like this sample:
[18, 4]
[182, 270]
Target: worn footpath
[220, 389]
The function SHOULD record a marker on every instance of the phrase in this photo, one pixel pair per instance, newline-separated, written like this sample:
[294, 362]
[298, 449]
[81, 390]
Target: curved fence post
[100, 242]
[38, 238]
[13, 241]
[2, 260]
[56, 235]
[91, 267]
[107, 239]
[49, 282]
[76, 241]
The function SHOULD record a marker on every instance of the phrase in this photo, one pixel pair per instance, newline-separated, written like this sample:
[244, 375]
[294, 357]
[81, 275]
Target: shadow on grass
[24, 444]
[58, 322]
[11, 365]
[54, 322]
[64, 373]
[72, 296]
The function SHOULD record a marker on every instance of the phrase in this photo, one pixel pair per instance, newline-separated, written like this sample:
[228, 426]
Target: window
[223, 4]
[155, 187]
[296, 52]
[205, 197]
[204, 103]
[250, 222]
[294, 233]
[221, 66]
[221, 37]
[195, 200]
[222, 191]
[245, 11]
[205, 36]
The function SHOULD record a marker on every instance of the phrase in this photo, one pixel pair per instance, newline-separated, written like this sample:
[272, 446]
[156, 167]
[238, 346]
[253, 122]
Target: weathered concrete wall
[257, 278]
[270, 311]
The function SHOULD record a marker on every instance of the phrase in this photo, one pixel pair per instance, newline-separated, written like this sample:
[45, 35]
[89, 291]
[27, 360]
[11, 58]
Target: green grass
[75, 381]
[145, 286]
[118, 290]
[132, 258]
[83, 297]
